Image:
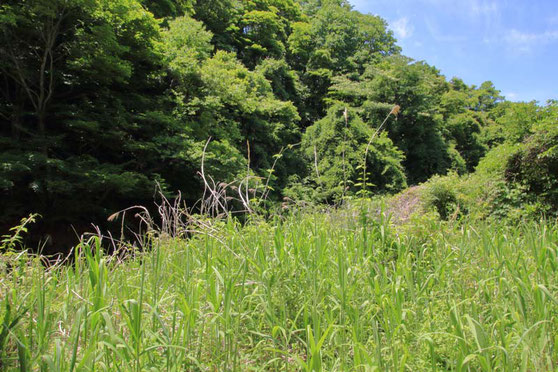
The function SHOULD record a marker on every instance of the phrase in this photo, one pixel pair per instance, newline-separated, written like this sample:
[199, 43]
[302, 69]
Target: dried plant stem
[316, 162]
[346, 116]
[394, 111]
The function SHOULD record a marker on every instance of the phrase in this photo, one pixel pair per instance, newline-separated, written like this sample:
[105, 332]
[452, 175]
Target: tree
[169, 8]
[534, 165]
[32, 35]
[334, 41]
[94, 126]
[513, 122]
[253, 29]
[417, 88]
[218, 97]
[466, 113]
[335, 149]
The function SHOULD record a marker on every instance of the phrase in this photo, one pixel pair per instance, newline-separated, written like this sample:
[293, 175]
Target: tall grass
[337, 291]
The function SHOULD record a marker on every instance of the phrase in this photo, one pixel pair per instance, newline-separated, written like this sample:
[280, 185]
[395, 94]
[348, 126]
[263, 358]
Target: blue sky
[513, 43]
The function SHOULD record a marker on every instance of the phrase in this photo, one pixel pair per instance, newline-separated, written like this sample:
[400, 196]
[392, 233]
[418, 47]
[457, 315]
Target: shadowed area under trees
[101, 100]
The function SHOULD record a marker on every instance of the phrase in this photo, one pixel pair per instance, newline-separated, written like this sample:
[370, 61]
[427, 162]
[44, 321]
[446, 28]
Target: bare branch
[22, 80]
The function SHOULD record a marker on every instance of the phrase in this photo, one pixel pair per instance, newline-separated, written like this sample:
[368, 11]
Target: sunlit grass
[337, 291]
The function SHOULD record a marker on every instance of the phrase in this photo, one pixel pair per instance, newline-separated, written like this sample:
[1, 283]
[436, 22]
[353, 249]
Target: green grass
[337, 291]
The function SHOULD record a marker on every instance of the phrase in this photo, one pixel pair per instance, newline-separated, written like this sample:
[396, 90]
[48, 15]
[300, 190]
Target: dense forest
[103, 100]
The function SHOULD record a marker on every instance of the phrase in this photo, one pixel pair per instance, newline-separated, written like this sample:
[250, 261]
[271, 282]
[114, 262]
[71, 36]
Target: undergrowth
[342, 290]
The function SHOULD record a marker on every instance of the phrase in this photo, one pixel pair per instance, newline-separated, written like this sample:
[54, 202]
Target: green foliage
[535, 165]
[340, 39]
[441, 195]
[224, 100]
[495, 161]
[14, 239]
[186, 44]
[464, 129]
[336, 148]
[102, 100]
[513, 181]
[84, 133]
[254, 29]
[418, 130]
[331, 290]
[513, 122]
[219, 17]
[335, 40]
[284, 81]
[169, 8]
[468, 113]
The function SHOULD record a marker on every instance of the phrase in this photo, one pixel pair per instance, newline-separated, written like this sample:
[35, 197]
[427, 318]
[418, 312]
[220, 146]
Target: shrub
[535, 165]
[441, 194]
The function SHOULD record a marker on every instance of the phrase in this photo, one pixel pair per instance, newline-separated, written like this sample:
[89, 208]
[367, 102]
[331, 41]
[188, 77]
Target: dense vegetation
[100, 100]
[343, 290]
[390, 219]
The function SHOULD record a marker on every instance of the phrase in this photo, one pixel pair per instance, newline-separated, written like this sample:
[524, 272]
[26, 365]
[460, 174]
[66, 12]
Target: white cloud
[521, 42]
[518, 37]
[485, 13]
[402, 28]
[440, 36]
[511, 96]
[525, 41]
[467, 8]
[480, 8]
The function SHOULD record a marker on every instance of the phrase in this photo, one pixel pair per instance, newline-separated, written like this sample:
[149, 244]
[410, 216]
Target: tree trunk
[15, 117]
[41, 120]
[16, 122]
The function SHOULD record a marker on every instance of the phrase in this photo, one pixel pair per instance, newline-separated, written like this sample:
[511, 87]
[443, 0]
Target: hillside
[102, 101]
[264, 185]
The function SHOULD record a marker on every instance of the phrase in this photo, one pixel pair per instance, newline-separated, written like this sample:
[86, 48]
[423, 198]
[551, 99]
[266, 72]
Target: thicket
[324, 290]
[101, 100]
[517, 178]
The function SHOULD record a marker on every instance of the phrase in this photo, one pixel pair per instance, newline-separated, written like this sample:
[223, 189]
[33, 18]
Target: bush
[441, 194]
[514, 181]
[535, 165]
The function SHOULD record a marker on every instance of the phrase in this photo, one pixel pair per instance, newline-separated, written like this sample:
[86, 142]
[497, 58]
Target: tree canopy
[102, 100]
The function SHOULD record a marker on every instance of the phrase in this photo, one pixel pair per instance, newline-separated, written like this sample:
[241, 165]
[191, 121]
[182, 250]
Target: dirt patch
[403, 205]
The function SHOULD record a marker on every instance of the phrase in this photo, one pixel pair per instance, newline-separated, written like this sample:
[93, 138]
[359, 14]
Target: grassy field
[342, 290]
